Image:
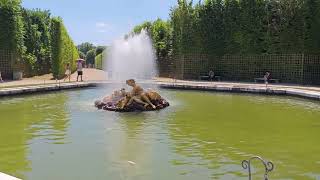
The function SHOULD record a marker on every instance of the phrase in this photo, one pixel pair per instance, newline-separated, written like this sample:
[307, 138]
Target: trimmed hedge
[98, 62]
[27, 35]
[37, 39]
[11, 26]
[63, 49]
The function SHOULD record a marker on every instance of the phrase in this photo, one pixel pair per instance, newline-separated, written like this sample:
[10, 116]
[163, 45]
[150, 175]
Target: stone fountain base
[110, 106]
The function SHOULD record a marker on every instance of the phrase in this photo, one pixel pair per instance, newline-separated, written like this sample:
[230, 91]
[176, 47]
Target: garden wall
[6, 69]
[289, 68]
[165, 67]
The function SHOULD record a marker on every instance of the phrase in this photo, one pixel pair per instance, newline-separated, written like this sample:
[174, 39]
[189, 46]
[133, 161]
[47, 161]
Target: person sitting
[211, 75]
[137, 94]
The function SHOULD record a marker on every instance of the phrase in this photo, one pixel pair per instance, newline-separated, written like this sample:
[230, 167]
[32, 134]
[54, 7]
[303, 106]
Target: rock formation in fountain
[115, 101]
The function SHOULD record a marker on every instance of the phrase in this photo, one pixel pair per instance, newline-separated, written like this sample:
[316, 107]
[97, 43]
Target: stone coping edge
[255, 90]
[11, 91]
[186, 86]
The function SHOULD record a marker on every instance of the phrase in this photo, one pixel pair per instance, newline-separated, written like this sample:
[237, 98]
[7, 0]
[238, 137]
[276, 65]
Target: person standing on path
[266, 78]
[79, 70]
[1, 80]
[68, 72]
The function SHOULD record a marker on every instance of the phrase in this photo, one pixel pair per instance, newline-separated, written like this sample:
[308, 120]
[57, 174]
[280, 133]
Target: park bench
[206, 77]
[256, 80]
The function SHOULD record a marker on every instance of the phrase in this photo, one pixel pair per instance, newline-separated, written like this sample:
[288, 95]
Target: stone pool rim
[282, 90]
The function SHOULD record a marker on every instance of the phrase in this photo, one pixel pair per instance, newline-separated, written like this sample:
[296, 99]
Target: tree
[90, 57]
[81, 55]
[85, 47]
[161, 36]
[100, 49]
[145, 25]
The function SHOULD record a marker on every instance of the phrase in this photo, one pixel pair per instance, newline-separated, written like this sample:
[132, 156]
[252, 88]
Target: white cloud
[102, 30]
[102, 25]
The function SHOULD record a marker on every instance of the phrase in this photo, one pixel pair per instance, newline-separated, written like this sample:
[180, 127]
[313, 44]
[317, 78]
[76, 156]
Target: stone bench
[256, 80]
[206, 77]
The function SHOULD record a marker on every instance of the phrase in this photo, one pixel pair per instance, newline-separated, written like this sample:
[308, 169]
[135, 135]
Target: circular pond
[202, 135]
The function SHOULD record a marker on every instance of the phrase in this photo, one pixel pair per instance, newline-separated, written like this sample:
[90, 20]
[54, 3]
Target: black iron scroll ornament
[268, 165]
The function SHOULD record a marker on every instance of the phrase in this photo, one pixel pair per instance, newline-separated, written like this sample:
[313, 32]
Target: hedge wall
[37, 57]
[63, 49]
[25, 37]
[11, 26]
[288, 68]
[98, 62]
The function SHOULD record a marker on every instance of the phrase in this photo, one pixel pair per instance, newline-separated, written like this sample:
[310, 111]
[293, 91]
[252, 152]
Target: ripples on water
[201, 135]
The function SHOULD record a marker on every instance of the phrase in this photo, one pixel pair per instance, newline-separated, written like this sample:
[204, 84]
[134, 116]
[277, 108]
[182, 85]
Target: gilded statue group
[135, 100]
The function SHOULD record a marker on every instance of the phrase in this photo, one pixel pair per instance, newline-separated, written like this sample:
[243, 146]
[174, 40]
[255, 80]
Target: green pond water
[202, 135]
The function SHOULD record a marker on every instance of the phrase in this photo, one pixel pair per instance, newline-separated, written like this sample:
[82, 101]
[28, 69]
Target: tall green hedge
[63, 49]
[246, 27]
[11, 26]
[220, 27]
[37, 41]
[100, 59]
[98, 62]
[27, 35]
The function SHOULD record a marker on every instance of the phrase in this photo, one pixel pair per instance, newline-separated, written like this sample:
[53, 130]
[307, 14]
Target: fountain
[132, 58]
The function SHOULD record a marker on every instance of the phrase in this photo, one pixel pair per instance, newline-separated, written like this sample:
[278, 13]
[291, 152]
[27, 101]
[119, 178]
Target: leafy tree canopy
[85, 47]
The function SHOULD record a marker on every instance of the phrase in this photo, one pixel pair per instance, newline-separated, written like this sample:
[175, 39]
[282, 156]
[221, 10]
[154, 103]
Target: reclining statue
[137, 94]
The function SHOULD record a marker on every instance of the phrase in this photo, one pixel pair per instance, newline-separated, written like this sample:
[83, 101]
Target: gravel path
[88, 75]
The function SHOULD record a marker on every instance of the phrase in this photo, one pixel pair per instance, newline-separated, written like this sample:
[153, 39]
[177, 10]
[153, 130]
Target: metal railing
[268, 165]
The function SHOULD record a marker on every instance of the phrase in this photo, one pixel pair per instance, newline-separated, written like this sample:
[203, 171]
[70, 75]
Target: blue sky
[101, 21]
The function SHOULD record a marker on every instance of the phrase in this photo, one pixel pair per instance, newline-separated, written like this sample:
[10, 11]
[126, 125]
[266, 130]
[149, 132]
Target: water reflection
[26, 120]
[132, 150]
[200, 136]
[133, 123]
[218, 134]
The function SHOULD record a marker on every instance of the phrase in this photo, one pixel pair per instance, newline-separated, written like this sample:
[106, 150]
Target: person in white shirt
[79, 70]
[266, 78]
[1, 80]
